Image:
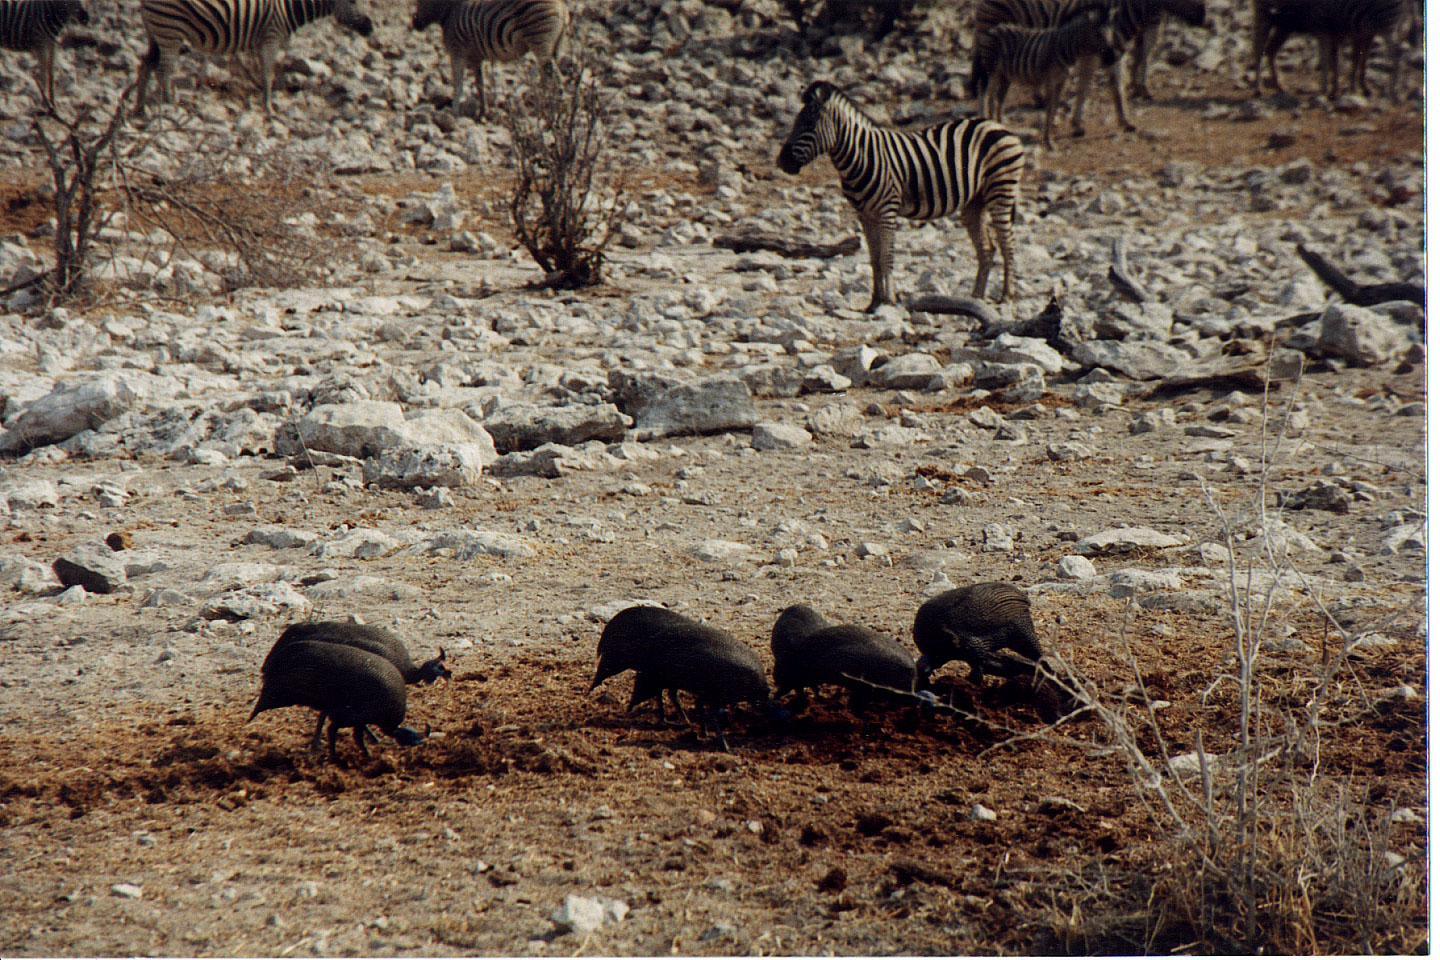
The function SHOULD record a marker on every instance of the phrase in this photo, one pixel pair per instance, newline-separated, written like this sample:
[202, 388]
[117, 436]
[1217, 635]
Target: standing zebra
[1331, 21]
[1132, 22]
[230, 27]
[973, 166]
[474, 31]
[34, 25]
[1042, 56]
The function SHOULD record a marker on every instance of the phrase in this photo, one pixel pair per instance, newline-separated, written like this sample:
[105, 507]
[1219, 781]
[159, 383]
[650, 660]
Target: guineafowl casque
[362, 637]
[349, 686]
[672, 652]
[809, 651]
[975, 624]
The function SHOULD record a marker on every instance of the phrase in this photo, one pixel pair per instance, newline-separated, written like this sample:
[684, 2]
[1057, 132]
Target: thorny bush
[558, 135]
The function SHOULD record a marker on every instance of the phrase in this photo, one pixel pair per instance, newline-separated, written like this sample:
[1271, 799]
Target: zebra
[1134, 22]
[970, 165]
[474, 31]
[34, 25]
[1331, 21]
[1041, 56]
[230, 27]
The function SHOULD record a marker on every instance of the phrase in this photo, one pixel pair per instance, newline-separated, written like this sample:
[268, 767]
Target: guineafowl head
[409, 737]
[432, 670]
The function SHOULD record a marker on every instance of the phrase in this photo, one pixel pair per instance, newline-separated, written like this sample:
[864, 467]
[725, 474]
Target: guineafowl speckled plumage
[671, 652]
[350, 687]
[809, 651]
[975, 624]
[632, 640]
[361, 636]
[365, 637]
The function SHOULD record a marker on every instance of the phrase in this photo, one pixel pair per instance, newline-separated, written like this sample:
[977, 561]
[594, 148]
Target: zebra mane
[834, 95]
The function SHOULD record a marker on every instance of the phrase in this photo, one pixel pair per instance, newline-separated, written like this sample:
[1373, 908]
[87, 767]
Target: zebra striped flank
[973, 166]
[474, 32]
[231, 27]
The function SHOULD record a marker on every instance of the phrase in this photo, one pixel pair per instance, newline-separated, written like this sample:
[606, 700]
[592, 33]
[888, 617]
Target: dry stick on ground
[1366, 295]
[956, 306]
[794, 249]
[1120, 276]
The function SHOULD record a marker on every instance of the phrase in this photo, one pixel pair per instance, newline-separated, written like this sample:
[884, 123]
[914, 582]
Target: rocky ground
[404, 428]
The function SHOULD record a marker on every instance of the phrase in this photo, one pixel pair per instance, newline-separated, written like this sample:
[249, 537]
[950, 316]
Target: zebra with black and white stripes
[971, 165]
[1041, 56]
[1134, 27]
[230, 27]
[476, 31]
[34, 25]
[1331, 22]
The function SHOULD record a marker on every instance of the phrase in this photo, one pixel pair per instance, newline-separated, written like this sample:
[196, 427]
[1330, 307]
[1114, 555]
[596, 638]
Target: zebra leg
[879, 240]
[142, 76]
[480, 90]
[1145, 45]
[457, 78]
[1001, 212]
[46, 55]
[1117, 92]
[1053, 84]
[267, 72]
[1084, 71]
[994, 97]
[973, 216]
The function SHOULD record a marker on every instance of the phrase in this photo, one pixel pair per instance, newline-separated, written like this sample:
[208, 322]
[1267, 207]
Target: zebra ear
[819, 90]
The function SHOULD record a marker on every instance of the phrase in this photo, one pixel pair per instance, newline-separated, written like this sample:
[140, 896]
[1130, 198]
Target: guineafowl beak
[923, 668]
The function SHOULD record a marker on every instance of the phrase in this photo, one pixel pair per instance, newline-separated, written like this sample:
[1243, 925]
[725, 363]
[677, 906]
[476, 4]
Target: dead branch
[957, 306]
[795, 250]
[1361, 295]
[1120, 277]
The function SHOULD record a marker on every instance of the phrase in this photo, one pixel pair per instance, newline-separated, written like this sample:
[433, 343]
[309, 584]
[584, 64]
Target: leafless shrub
[557, 129]
[78, 151]
[245, 211]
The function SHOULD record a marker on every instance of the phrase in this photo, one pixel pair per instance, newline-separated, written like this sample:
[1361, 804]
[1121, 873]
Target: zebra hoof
[1078, 131]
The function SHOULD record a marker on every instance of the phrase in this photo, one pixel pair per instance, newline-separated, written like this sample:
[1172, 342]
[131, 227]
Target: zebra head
[1191, 11]
[812, 132]
[430, 11]
[348, 14]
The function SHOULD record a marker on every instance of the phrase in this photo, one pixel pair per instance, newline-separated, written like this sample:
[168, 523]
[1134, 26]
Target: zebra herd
[473, 31]
[973, 166]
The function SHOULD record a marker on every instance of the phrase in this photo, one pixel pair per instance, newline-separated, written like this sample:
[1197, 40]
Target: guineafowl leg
[675, 699]
[360, 731]
[319, 726]
[333, 732]
[713, 719]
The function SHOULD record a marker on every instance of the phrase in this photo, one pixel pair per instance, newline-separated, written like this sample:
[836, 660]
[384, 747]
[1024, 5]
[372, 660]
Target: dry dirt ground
[845, 834]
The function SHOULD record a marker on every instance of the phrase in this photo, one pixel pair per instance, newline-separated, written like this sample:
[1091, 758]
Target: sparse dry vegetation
[564, 209]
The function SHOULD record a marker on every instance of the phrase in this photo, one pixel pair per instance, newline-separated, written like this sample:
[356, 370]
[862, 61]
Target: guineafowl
[670, 652]
[632, 640]
[974, 624]
[809, 652]
[349, 686]
[362, 637]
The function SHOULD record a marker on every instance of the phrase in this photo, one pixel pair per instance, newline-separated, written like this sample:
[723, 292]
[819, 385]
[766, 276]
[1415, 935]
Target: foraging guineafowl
[362, 637]
[974, 624]
[810, 651]
[349, 686]
[672, 652]
[632, 640]
[365, 637]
